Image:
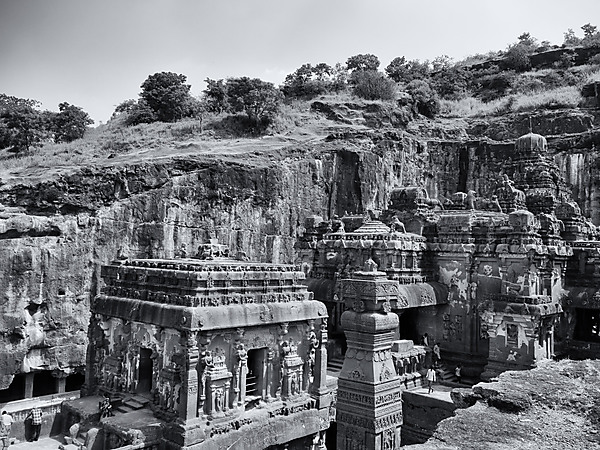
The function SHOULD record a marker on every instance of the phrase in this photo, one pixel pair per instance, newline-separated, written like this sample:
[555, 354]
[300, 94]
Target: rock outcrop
[552, 406]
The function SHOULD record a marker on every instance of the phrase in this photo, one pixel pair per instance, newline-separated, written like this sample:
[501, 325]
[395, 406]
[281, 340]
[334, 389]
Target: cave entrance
[587, 325]
[74, 382]
[44, 383]
[16, 390]
[144, 371]
[408, 325]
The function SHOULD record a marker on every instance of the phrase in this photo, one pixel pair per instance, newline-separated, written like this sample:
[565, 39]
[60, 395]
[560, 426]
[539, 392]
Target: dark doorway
[44, 383]
[255, 378]
[331, 435]
[74, 382]
[144, 371]
[587, 325]
[408, 325]
[16, 390]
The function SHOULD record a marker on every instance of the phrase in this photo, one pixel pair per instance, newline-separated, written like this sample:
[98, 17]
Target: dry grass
[561, 97]
[593, 76]
[473, 107]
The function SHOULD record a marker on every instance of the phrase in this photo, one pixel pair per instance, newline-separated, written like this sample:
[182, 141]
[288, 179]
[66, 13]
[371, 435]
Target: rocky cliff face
[55, 234]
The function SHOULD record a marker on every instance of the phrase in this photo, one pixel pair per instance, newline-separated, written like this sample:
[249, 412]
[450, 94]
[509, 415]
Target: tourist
[105, 407]
[458, 372]
[436, 352]
[431, 377]
[426, 340]
[5, 425]
[36, 422]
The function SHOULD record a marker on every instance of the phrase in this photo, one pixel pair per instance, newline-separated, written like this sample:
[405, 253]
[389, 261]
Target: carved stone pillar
[241, 371]
[369, 407]
[188, 404]
[268, 372]
[61, 380]
[28, 392]
[206, 361]
[318, 388]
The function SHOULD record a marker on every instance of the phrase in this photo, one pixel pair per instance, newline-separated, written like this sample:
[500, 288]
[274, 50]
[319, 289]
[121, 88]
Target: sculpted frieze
[205, 301]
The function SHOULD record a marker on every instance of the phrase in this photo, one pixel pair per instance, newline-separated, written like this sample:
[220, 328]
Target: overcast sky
[97, 53]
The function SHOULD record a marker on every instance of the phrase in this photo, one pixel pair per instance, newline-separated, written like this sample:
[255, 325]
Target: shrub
[70, 123]
[402, 71]
[167, 95]
[492, 83]
[362, 62]
[517, 58]
[139, 113]
[594, 60]
[452, 82]
[372, 85]
[308, 81]
[258, 99]
[425, 99]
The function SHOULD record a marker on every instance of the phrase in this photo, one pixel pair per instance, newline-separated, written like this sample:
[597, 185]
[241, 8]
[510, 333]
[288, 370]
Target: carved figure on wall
[487, 270]
[397, 226]
[495, 204]
[470, 201]
[219, 400]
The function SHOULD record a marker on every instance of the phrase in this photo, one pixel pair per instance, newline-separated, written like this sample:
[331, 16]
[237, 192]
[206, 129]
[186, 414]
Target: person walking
[458, 372]
[36, 422]
[436, 353]
[5, 426]
[431, 377]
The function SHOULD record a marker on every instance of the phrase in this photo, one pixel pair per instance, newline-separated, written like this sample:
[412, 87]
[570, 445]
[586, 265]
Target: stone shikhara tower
[369, 407]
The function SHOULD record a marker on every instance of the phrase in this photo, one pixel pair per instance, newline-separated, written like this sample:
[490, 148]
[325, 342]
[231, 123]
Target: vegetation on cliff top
[527, 76]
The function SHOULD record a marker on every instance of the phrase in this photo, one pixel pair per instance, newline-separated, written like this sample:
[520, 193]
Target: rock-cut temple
[214, 352]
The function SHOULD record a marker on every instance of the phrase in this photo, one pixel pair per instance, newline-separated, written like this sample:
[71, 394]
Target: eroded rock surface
[552, 406]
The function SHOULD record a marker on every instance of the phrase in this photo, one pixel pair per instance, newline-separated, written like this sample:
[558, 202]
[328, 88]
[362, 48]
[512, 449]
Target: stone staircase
[335, 364]
[131, 403]
[446, 375]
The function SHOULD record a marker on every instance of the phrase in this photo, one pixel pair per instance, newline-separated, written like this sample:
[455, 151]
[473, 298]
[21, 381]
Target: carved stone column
[206, 361]
[318, 388]
[188, 404]
[241, 370]
[268, 371]
[369, 407]
[61, 380]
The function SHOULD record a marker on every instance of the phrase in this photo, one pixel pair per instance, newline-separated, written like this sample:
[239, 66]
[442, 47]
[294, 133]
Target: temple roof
[373, 227]
[531, 142]
[204, 294]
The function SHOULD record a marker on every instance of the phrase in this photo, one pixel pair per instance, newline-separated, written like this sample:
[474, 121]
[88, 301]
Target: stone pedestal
[369, 407]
